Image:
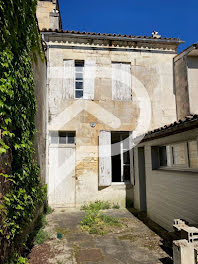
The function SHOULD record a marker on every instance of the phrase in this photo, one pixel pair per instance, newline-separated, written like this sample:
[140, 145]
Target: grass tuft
[115, 206]
[41, 236]
[97, 205]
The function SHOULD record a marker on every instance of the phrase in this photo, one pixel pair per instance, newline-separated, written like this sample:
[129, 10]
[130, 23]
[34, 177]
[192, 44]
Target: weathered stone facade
[150, 63]
[48, 14]
[186, 81]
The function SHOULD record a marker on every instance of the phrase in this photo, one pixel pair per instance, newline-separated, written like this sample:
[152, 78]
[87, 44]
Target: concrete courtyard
[134, 243]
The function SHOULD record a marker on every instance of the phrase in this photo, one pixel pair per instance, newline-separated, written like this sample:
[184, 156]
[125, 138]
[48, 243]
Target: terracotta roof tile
[108, 34]
[188, 122]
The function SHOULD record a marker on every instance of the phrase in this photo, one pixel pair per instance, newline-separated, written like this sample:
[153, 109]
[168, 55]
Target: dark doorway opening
[142, 179]
[120, 161]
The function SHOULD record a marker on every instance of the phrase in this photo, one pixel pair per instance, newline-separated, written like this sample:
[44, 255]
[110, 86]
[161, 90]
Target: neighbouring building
[186, 81]
[92, 86]
[166, 161]
[166, 173]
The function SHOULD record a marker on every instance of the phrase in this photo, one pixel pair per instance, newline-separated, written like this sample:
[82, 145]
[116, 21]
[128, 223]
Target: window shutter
[121, 81]
[105, 158]
[69, 79]
[89, 79]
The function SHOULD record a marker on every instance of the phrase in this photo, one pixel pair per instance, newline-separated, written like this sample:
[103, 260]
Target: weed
[41, 236]
[115, 206]
[110, 220]
[62, 211]
[49, 210]
[16, 259]
[95, 222]
[97, 205]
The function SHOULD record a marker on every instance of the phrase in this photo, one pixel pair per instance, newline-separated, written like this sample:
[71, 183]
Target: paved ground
[133, 244]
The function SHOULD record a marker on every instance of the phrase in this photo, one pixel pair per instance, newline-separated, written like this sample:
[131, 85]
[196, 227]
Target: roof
[113, 36]
[188, 51]
[188, 123]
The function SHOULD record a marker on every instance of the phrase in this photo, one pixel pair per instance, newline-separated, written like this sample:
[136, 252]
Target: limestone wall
[181, 87]
[153, 68]
[193, 83]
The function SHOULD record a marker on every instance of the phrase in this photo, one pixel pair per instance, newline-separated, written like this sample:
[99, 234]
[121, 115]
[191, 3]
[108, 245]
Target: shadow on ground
[166, 237]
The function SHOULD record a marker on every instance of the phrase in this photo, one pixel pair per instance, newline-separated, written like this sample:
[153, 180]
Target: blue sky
[171, 18]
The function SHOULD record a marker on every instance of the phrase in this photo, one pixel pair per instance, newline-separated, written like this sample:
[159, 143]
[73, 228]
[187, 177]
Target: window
[121, 161]
[163, 156]
[179, 155]
[62, 137]
[79, 70]
[193, 153]
[121, 81]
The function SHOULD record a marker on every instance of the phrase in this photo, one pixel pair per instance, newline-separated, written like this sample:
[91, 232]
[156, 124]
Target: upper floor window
[79, 83]
[79, 79]
[121, 81]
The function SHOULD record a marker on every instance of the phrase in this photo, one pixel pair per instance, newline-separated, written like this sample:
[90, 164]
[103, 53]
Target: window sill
[62, 145]
[180, 169]
[121, 183]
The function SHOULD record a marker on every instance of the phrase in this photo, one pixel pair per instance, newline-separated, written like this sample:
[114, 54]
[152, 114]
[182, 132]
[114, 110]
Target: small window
[79, 70]
[193, 153]
[183, 155]
[179, 154]
[62, 137]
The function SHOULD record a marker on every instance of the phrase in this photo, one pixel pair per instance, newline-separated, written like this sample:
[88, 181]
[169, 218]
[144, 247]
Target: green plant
[41, 236]
[20, 42]
[97, 205]
[16, 259]
[110, 220]
[115, 206]
[95, 221]
[49, 210]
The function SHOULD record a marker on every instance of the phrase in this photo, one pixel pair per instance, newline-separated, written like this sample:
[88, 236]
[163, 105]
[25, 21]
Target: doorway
[61, 182]
[142, 179]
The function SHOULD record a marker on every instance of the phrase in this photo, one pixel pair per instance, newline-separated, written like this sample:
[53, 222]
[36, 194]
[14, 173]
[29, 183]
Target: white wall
[170, 194]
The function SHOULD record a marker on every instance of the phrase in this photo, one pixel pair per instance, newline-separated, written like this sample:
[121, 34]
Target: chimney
[48, 14]
[54, 19]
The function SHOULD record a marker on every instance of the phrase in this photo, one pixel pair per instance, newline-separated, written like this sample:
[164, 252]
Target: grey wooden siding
[170, 195]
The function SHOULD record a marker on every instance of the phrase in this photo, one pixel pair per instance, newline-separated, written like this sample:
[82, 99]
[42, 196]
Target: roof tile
[106, 34]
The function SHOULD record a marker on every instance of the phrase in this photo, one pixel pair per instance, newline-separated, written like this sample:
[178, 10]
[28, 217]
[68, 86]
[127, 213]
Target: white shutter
[104, 158]
[69, 79]
[131, 145]
[89, 79]
[121, 81]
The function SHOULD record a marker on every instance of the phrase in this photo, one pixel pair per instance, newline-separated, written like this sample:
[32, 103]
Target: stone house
[101, 88]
